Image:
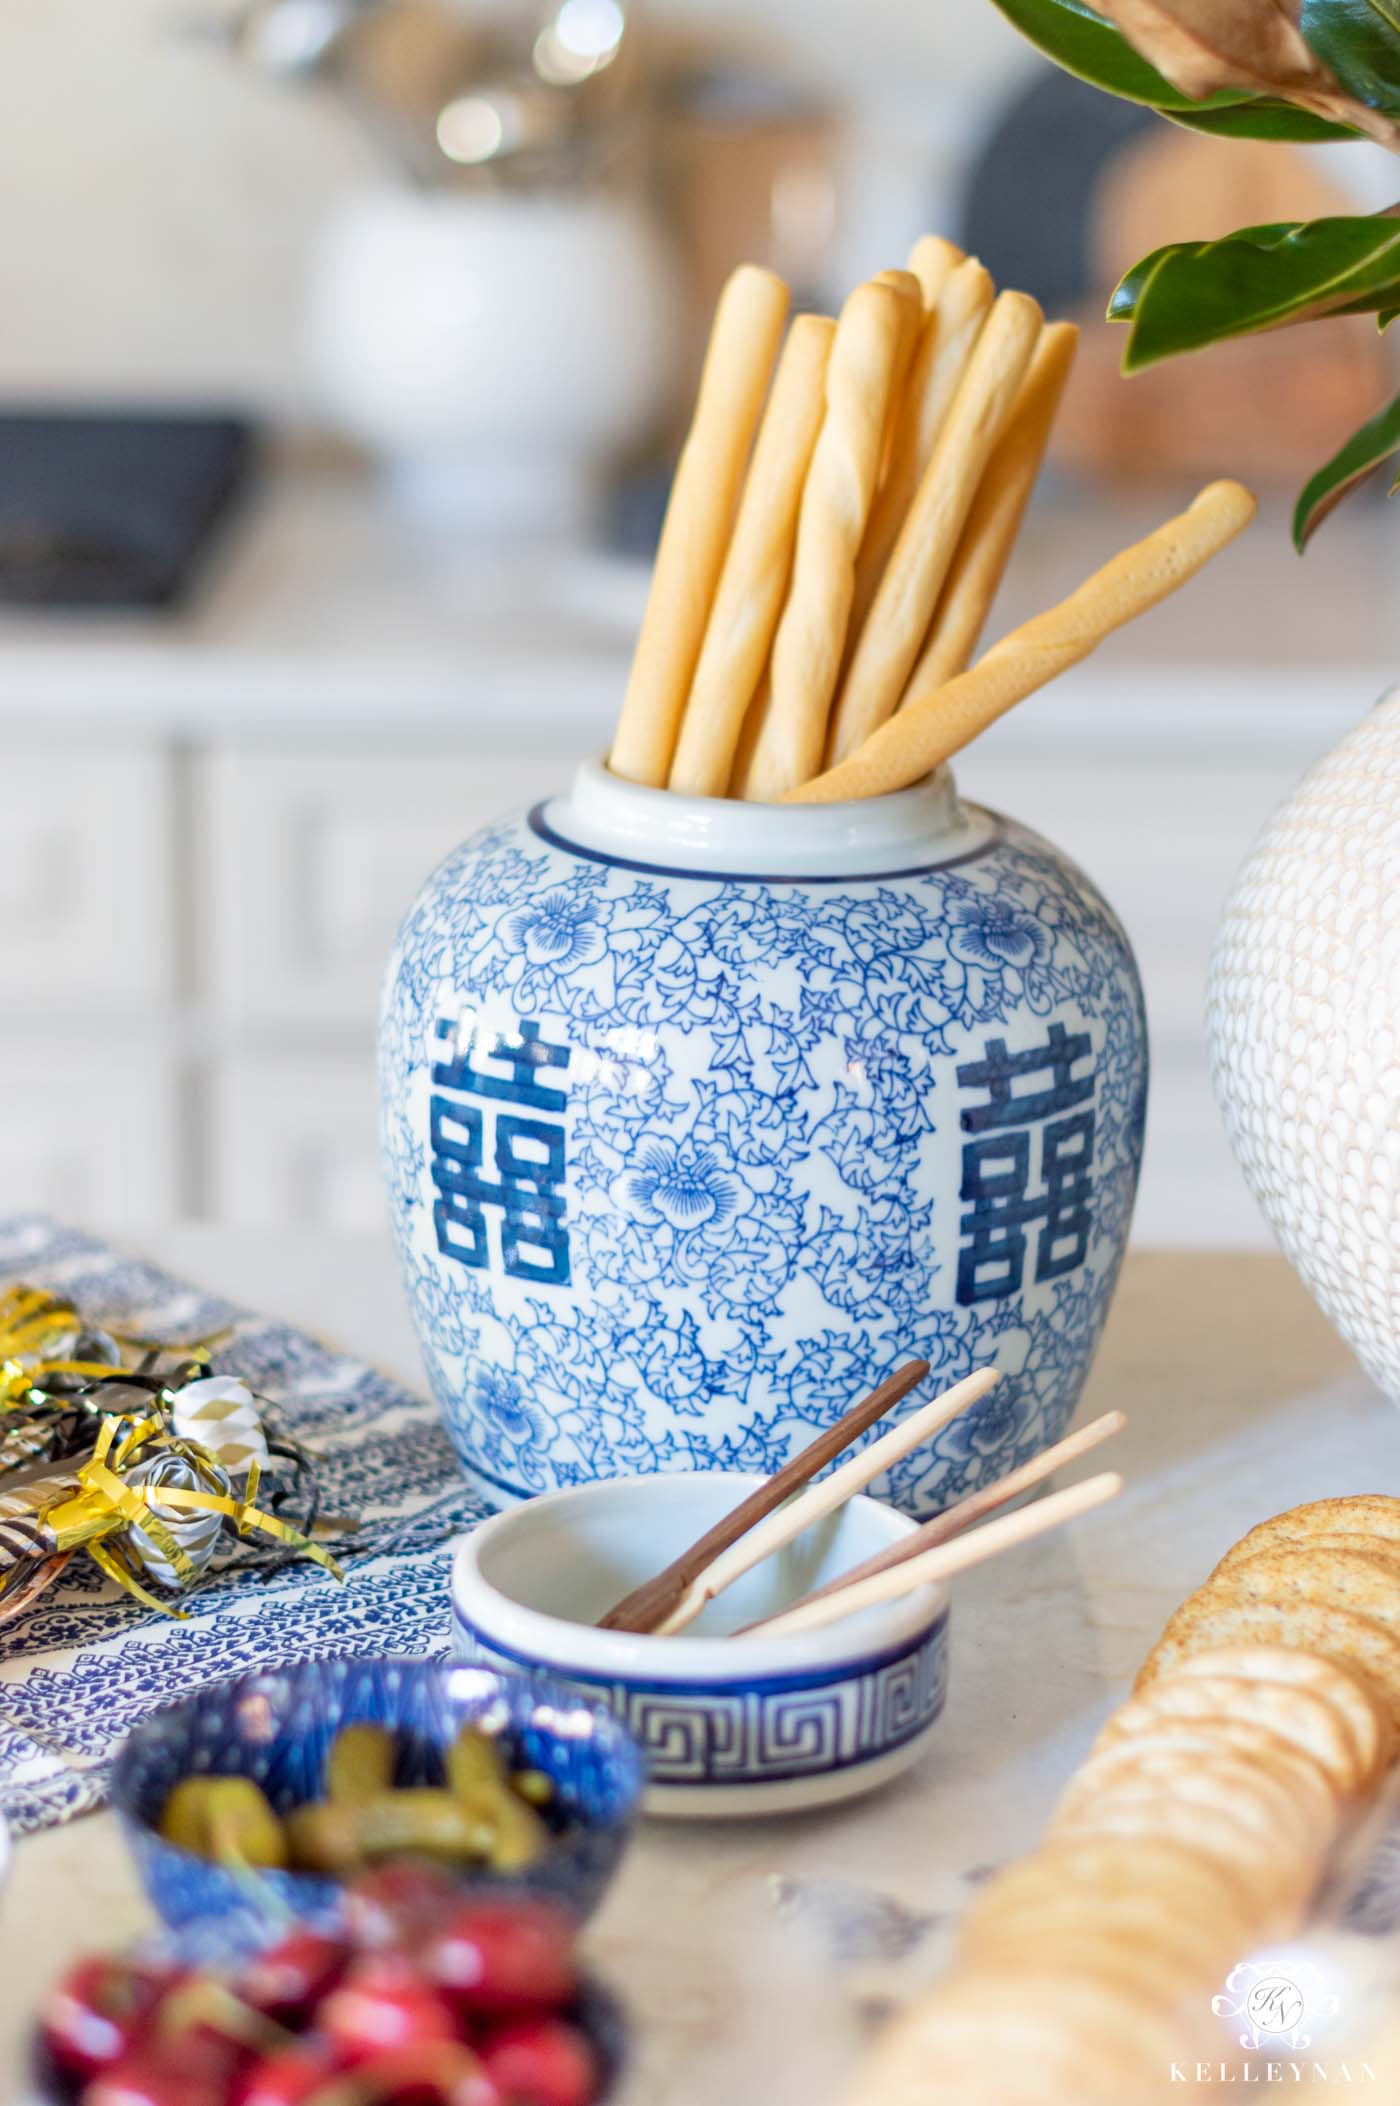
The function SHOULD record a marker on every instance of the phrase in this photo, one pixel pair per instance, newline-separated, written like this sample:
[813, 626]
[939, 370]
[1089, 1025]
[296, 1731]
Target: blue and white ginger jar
[700, 1116]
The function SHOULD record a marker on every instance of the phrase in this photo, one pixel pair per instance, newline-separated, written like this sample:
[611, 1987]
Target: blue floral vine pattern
[762, 1195]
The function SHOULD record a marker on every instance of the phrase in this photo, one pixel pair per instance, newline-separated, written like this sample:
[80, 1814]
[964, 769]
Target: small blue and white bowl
[276, 1726]
[727, 1725]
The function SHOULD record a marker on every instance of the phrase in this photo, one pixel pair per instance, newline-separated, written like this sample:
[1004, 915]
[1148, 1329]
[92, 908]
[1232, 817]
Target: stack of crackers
[846, 503]
[1199, 1829]
[1325, 1576]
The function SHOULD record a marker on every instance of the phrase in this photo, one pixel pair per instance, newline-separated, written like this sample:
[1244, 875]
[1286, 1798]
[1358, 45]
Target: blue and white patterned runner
[87, 1661]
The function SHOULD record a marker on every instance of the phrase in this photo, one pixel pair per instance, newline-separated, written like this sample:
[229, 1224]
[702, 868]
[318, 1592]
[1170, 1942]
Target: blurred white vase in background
[497, 350]
[1304, 1018]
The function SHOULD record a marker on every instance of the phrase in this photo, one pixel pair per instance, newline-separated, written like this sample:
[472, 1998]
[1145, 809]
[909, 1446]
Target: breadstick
[997, 511]
[911, 329]
[754, 719]
[903, 606]
[743, 345]
[752, 584]
[936, 722]
[836, 499]
[933, 262]
[912, 323]
[935, 375]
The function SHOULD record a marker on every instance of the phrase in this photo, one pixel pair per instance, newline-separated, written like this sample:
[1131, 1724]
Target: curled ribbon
[106, 1506]
[157, 1456]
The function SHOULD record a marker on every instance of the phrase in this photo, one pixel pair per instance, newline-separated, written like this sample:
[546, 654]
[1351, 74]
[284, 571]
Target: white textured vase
[1304, 1017]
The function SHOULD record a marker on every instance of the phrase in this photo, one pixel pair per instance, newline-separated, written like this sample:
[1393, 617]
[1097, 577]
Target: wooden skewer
[645, 1607]
[941, 1563]
[945, 1526]
[822, 1498]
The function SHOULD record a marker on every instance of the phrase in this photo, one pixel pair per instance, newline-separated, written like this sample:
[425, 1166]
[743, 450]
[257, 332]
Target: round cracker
[981, 2060]
[1160, 1949]
[1276, 1881]
[1365, 1514]
[1351, 1695]
[1209, 1735]
[1357, 1643]
[1103, 1871]
[1291, 1714]
[1159, 1975]
[1349, 1578]
[1385, 1553]
[1243, 1791]
[1079, 2022]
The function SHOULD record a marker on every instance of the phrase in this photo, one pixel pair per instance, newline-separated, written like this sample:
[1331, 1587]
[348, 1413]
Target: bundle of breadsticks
[845, 506]
[1198, 1831]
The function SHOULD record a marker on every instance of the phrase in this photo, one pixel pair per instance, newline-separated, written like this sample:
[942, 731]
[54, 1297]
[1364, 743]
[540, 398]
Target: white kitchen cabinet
[86, 877]
[312, 855]
[293, 1141]
[91, 1130]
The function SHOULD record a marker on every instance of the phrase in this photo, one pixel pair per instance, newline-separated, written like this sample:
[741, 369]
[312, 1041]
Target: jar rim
[608, 819]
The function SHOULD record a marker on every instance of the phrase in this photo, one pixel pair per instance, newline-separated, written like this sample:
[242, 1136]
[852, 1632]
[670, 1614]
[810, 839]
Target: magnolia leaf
[1260, 117]
[1203, 46]
[1362, 454]
[1360, 41]
[1127, 293]
[1205, 55]
[1083, 43]
[1201, 292]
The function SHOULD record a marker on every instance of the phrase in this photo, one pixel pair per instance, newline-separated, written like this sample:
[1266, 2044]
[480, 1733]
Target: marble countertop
[756, 1956]
[325, 603]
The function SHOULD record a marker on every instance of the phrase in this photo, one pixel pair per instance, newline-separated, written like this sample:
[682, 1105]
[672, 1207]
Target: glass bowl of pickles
[254, 1806]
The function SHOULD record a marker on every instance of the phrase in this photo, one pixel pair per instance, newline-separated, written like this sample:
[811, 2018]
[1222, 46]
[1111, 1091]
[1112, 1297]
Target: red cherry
[99, 2010]
[204, 2012]
[383, 2002]
[398, 1904]
[289, 2076]
[541, 2062]
[505, 1956]
[432, 2073]
[181, 2072]
[288, 1980]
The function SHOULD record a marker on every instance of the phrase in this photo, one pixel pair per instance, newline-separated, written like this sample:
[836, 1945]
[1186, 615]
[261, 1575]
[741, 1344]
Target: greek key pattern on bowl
[765, 1732]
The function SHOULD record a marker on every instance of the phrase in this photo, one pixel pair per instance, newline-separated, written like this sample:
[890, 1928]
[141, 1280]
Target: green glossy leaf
[1090, 47]
[1202, 292]
[1128, 292]
[1360, 41]
[1085, 44]
[1263, 118]
[1362, 454]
